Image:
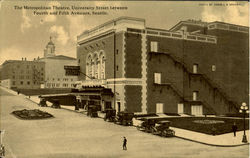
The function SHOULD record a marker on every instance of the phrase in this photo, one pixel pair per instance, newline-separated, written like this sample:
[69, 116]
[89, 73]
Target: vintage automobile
[162, 128]
[109, 115]
[92, 110]
[55, 104]
[146, 124]
[124, 118]
[42, 102]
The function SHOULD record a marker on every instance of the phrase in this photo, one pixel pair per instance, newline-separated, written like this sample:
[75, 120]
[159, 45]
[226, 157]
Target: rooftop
[61, 57]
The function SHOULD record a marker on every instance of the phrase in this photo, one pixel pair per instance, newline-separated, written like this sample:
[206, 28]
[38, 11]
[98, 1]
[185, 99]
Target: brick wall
[105, 43]
[133, 98]
[133, 56]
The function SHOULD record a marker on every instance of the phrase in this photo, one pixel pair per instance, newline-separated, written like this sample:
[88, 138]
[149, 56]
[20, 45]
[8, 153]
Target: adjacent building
[22, 74]
[55, 76]
[196, 67]
[46, 72]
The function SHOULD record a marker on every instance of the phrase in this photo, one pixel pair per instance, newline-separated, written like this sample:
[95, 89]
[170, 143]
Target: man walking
[234, 128]
[124, 143]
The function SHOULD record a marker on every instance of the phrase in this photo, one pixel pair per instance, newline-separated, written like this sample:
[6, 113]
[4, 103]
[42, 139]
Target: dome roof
[50, 42]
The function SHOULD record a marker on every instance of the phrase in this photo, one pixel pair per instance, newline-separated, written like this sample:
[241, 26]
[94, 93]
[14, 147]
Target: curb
[216, 145]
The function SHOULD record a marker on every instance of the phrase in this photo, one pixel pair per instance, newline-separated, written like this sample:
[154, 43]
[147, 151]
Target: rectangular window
[213, 68]
[13, 82]
[13, 77]
[58, 79]
[117, 67]
[195, 95]
[195, 68]
[154, 46]
[21, 82]
[157, 78]
[159, 107]
[28, 82]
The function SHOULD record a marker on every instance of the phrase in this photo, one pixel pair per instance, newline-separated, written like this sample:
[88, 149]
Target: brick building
[194, 68]
[22, 74]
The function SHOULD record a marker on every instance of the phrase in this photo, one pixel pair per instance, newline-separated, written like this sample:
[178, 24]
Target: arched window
[95, 61]
[102, 65]
[89, 71]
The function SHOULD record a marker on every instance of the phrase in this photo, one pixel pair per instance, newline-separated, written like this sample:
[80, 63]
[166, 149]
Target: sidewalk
[224, 140]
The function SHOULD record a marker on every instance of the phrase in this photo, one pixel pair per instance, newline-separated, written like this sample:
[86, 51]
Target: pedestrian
[124, 143]
[234, 128]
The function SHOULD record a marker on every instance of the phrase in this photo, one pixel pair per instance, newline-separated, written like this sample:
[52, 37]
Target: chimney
[25, 58]
[22, 59]
[34, 59]
[38, 58]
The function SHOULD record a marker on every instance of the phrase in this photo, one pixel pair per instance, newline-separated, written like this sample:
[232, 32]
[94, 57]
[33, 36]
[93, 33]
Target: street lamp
[244, 110]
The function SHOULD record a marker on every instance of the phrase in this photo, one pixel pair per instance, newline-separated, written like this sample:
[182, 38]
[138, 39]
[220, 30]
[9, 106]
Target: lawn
[208, 125]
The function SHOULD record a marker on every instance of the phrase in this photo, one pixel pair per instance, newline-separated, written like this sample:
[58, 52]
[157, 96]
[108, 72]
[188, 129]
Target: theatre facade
[195, 67]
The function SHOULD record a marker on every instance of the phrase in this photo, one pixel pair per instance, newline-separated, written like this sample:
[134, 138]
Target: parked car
[146, 124]
[162, 128]
[92, 110]
[110, 115]
[124, 118]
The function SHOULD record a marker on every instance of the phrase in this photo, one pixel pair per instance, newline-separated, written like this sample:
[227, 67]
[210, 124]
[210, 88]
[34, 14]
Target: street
[72, 134]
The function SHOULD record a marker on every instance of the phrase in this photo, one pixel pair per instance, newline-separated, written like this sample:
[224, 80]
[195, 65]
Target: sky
[23, 34]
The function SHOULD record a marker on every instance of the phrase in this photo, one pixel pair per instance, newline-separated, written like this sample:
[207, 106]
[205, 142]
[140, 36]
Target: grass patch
[31, 114]
[208, 124]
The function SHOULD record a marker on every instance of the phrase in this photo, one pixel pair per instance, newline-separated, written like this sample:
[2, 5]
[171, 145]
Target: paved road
[73, 135]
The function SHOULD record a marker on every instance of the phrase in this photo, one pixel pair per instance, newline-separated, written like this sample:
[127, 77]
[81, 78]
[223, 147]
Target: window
[21, 82]
[58, 79]
[117, 67]
[195, 68]
[71, 79]
[13, 77]
[27, 77]
[159, 107]
[13, 82]
[154, 46]
[157, 78]
[213, 68]
[58, 85]
[195, 95]
[28, 82]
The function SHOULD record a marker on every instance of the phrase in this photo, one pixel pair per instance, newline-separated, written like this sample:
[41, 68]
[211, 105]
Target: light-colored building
[54, 68]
